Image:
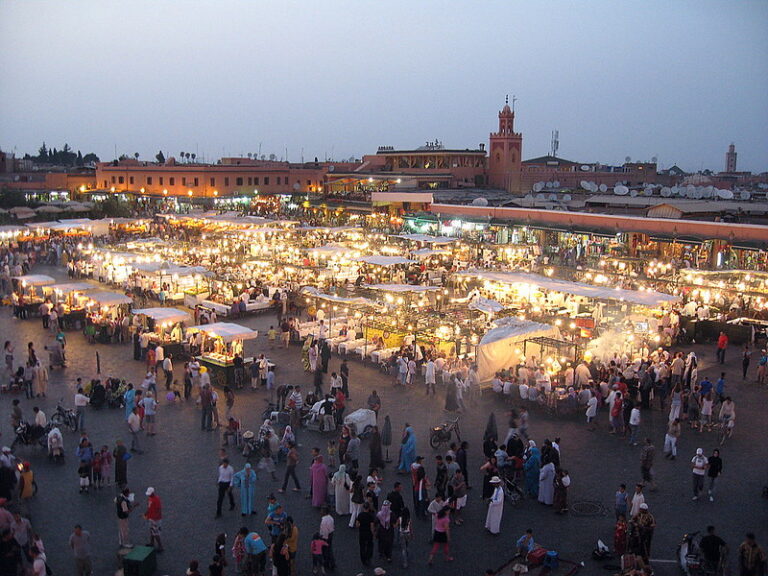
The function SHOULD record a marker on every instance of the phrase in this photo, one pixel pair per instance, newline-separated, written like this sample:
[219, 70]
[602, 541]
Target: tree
[90, 158]
[136, 155]
[160, 157]
[188, 155]
[42, 153]
[181, 156]
[194, 156]
[79, 160]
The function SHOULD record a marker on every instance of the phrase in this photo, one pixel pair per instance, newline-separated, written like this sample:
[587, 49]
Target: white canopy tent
[486, 305]
[502, 346]
[400, 288]
[384, 260]
[639, 297]
[330, 250]
[70, 287]
[35, 280]
[357, 301]
[170, 315]
[106, 298]
[427, 239]
[228, 332]
[428, 252]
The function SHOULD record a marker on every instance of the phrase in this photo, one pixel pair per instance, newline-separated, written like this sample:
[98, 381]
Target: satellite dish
[627, 159]
[725, 194]
[633, 193]
[593, 186]
[697, 194]
[603, 188]
[556, 184]
[621, 190]
[707, 192]
[585, 185]
[553, 197]
[745, 195]
[296, 186]
[648, 191]
[567, 197]
[538, 186]
[528, 197]
[548, 184]
[585, 168]
[541, 197]
[480, 201]
[655, 159]
[675, 190]
[666, 192]
[331, 168]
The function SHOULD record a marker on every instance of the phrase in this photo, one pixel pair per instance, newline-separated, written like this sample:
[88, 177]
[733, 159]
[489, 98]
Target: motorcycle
[28, 435]
[64, 417]
[442, 434]
[691, 558]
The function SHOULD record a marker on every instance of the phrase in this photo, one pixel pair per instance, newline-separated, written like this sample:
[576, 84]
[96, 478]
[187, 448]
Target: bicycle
[725, 430]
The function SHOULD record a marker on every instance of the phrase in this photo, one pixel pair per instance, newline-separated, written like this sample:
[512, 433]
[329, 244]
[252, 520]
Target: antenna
[555, 145]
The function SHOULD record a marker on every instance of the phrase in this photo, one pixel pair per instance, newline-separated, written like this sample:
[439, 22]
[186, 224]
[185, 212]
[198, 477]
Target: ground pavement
[180, 462]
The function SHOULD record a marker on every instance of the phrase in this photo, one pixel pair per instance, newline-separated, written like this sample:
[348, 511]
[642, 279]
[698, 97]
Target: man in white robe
[547, 484]
[495, 507]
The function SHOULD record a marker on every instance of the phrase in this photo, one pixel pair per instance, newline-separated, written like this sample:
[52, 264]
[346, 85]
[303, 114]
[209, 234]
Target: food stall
[71, 298]
[164, 326]
[105, 313]
[221, 342]
[29, 289]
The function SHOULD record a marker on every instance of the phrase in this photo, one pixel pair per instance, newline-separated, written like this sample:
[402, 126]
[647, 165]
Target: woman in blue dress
[407, 450]
[532, 468]
[129, 399]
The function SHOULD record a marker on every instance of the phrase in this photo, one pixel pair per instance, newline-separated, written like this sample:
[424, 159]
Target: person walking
[722, 345]
[224, 481]
[81, 401]
[124, 504]
[206, 404]
[638, 500]
[699, 464]
[634, 424]
[134, 427]
[647, 455]
[670, 439]
[121, 457]
[621, 501]
[752, 559]
[245, 480]
[429, 376]
[714, 469]
[441, 536]
[149, 404]
[365, 524]
[495, 507]
[154, 516]
[292, 459]
[80, 543]
[344, 373]
[746, 358]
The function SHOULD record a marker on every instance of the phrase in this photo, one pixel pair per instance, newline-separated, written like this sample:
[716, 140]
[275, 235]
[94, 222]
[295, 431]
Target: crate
[140, 561]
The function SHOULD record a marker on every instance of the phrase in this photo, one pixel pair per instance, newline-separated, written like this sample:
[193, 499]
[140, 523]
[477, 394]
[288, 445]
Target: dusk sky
[677, 80]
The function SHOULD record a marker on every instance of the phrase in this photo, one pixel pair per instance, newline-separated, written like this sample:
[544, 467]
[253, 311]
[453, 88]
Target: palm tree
[188, 155]
[194, 156]
[136, 155]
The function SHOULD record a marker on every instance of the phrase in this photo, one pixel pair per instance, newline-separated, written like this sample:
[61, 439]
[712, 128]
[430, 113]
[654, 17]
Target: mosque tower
[506, 149]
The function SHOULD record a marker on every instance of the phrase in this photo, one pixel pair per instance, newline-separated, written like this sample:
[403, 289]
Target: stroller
[55, 445]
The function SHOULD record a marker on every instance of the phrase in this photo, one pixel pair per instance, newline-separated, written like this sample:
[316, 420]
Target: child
[106, 465]
[272, 337]
[316, 548]
[620, 536]
[85, 481]
[332, 451]
[96, 469]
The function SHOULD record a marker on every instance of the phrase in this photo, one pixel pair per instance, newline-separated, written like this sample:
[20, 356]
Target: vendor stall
[220, 347]
[163, 326]
[28, 293]
[70, 300]
[104, 319]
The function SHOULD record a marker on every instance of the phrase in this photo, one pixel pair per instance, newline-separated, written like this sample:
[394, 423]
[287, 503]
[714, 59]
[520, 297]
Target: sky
[337, 78]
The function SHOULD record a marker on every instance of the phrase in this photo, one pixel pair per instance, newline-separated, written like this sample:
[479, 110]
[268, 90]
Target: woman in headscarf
[532, 467]
[246, 481]
[319, 476]
[451, 402]
[547, 482]
[385, 531]
[129, 399]
[377, 461]
[305, 353]
[407, 450]
[341, 484]
[313, 356]
[490, 470]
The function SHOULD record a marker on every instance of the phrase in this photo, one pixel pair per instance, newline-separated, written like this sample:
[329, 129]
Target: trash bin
[141, 561]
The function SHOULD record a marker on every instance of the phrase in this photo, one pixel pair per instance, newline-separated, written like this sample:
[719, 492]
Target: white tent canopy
[105, 298]
[169, 269]
[401, 287]
[501, 346]
[35, 280]
[164, 314]
[428, 239]
[358, 301]
[486, 305]
[385, 260]
[643, 298]
[69, 287]
[330, 250]
[427, 252]
[228, 332]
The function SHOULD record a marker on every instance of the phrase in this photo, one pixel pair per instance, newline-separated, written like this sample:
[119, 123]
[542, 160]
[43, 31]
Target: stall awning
[358, 301]
[330, 250]
[169, 269]
[72, 287]
[164, 314]
[643, 298]
[226, 331]
[427, 239]
[35, 280]
[401, 288]
[486, 305]
[384, 260]
[105, 298]
[427, 252]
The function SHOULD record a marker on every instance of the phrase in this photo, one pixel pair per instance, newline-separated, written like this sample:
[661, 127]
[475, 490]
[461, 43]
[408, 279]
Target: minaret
[506, 148]
[730, 158]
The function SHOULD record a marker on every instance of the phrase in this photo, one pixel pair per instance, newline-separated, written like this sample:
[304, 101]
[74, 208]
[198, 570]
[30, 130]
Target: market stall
[220, 347]
[164, 326]
[28, 293]
[104, 319]
[70, 299]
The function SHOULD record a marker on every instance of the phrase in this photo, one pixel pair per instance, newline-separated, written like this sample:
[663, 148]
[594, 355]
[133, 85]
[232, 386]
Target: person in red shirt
[722, 344]
[339, 404]
[154, 515]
